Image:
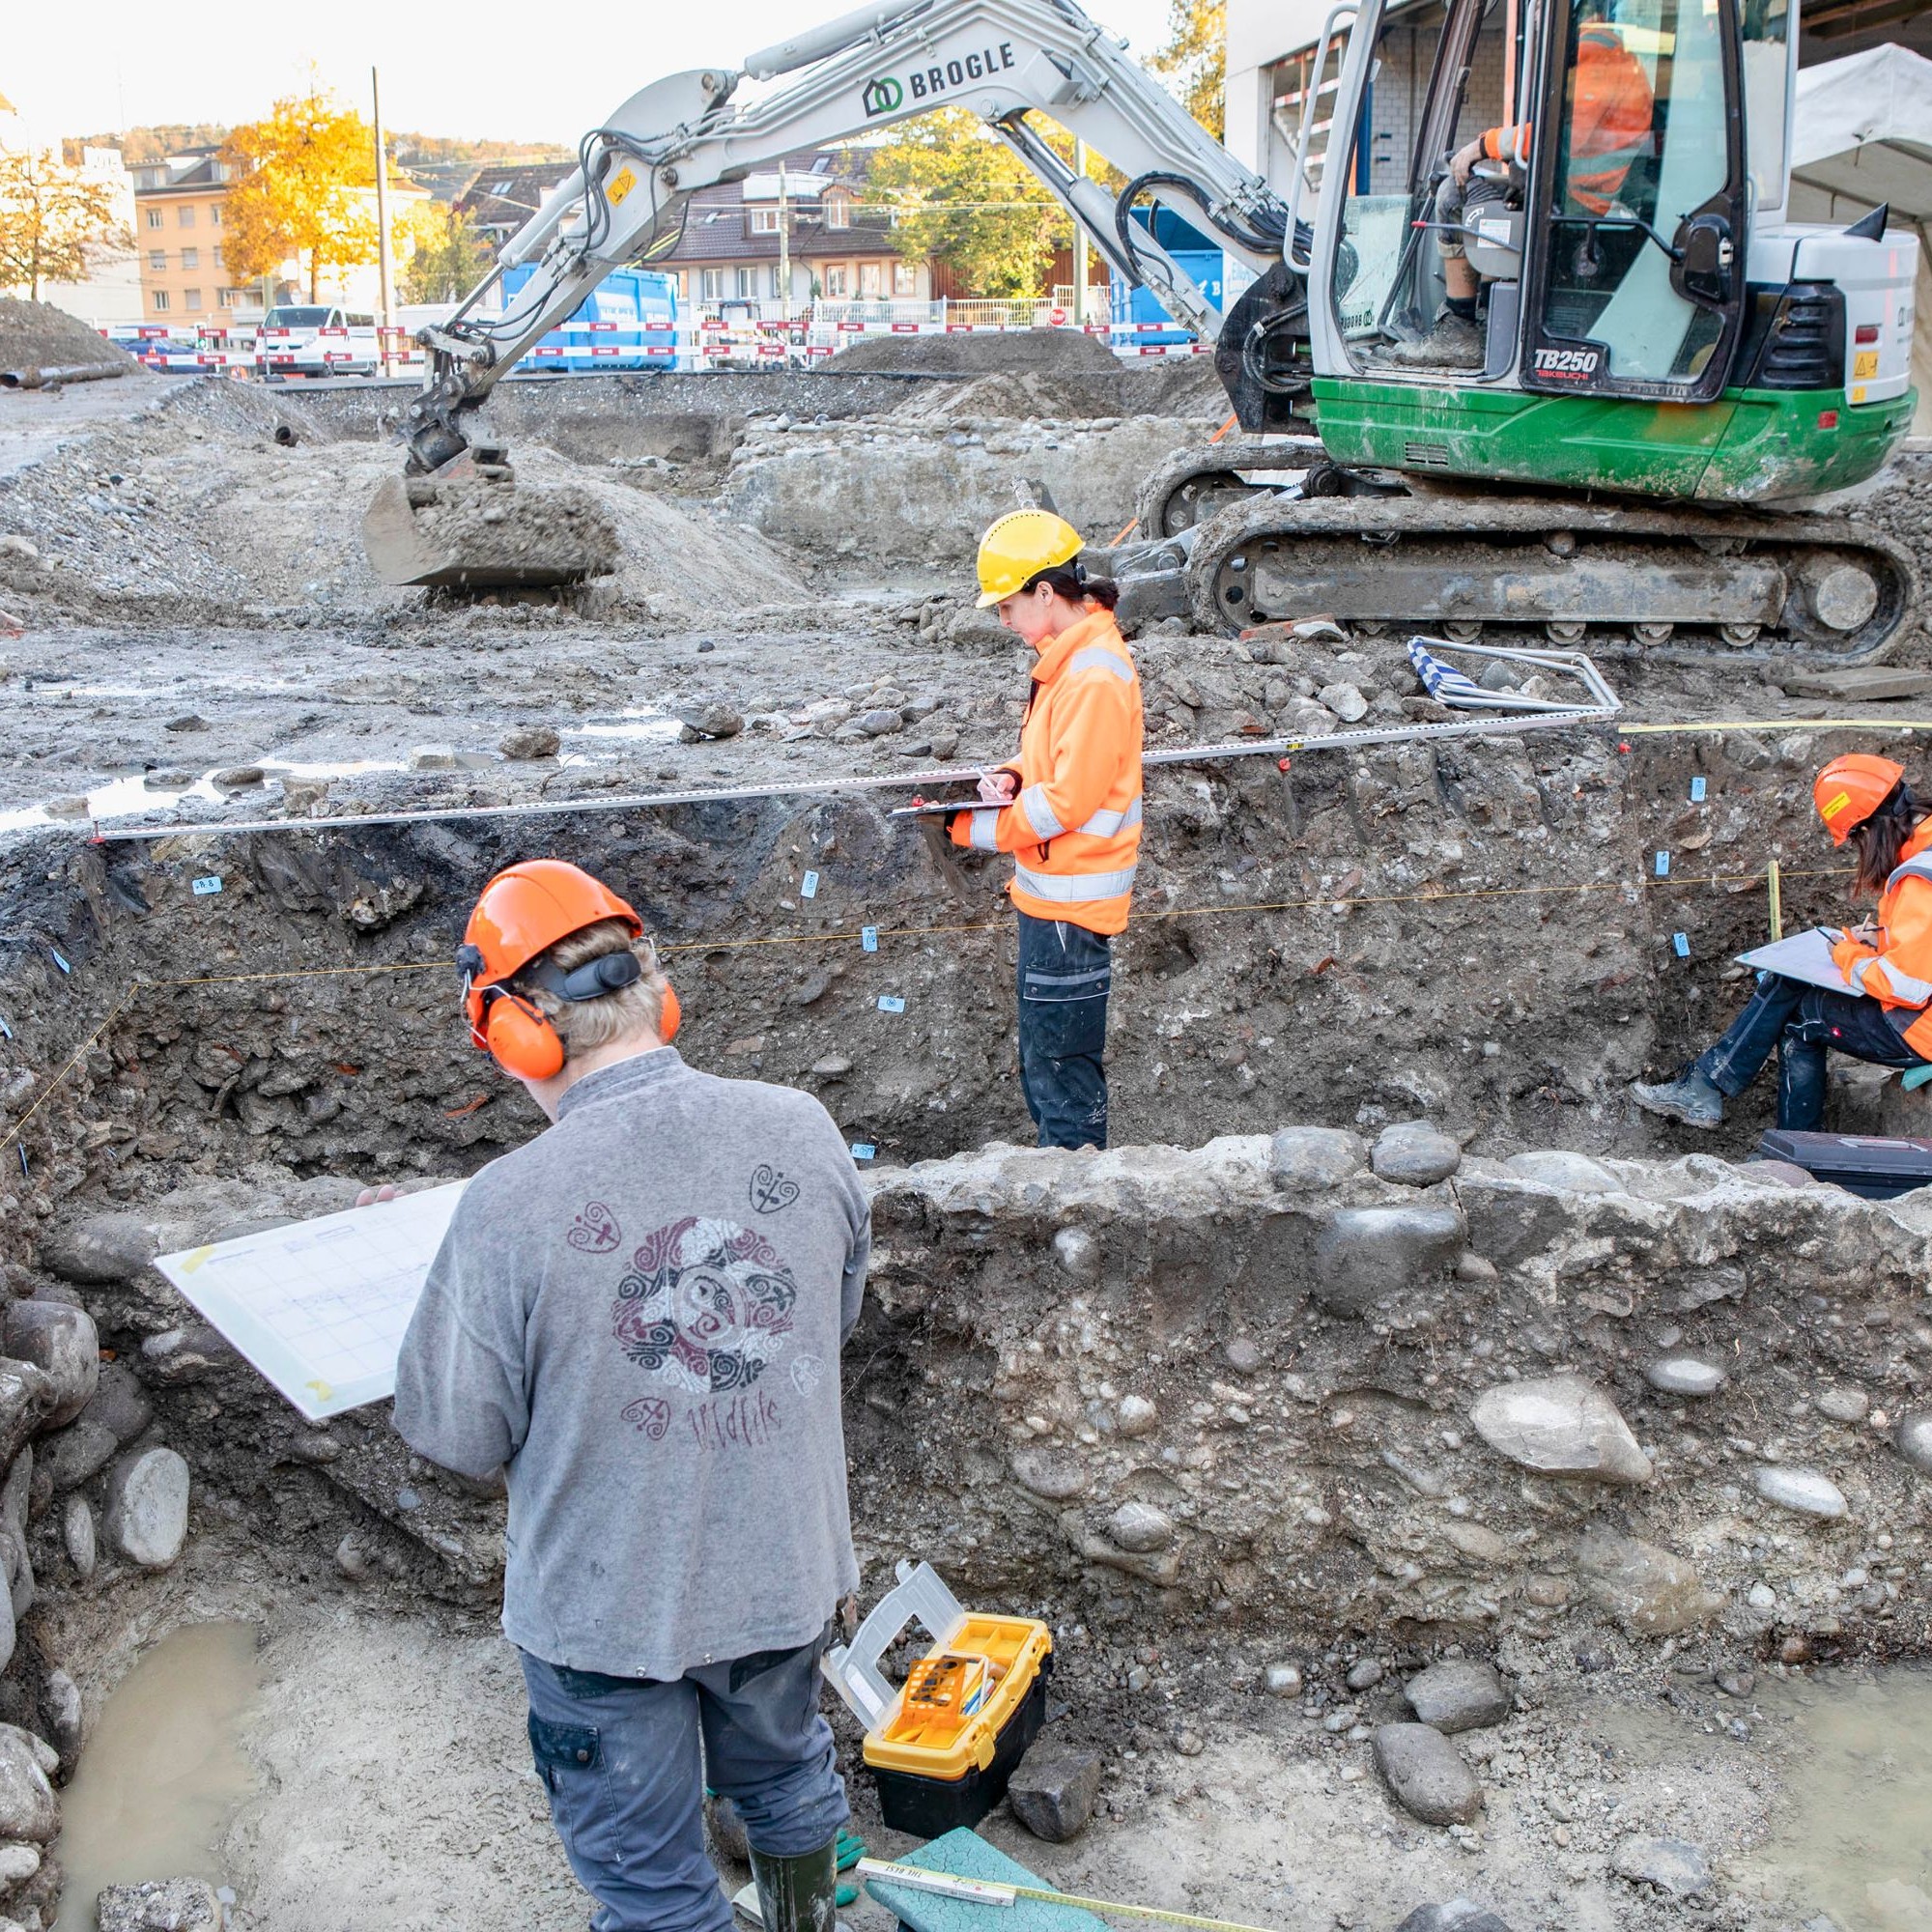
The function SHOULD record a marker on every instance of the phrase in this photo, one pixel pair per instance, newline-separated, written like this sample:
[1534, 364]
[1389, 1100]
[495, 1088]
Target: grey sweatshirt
[639, 1315]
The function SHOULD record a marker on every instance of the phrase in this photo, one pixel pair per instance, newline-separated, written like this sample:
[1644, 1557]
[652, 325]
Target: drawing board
[320, 1306]
[1804, 955]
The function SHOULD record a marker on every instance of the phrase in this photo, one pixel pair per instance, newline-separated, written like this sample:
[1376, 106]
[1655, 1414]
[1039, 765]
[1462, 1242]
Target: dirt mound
[1046, 351]
[1021, 395]
[35, 336]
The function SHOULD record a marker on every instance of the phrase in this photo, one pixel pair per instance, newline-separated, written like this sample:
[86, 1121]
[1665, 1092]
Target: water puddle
[162, 1769]
[1854, 1835]
[645, 724]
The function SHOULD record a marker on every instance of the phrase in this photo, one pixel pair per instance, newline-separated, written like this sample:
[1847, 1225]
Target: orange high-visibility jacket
[1611, 125]
[1074, 830]
[1897, 972]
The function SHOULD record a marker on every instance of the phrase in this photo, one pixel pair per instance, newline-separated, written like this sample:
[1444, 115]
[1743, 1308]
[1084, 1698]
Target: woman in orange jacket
[1886, 1018]
[1069, 810]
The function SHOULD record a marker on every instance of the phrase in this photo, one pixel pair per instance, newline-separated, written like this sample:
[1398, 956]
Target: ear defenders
[518, 1033]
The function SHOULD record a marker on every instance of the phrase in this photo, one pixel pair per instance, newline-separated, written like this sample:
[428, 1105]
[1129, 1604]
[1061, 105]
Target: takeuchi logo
[882, 95]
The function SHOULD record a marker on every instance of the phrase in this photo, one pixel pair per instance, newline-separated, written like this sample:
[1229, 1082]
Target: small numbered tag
[869, 938]
[1663, 864]
[891, 1003]
[863, 1149]
[1696, 791]
[1681, 945]
[807, 887]
[203, 886]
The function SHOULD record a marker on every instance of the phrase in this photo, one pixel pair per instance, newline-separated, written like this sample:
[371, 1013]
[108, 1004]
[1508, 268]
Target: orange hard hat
[1850, 789]
[522, 913]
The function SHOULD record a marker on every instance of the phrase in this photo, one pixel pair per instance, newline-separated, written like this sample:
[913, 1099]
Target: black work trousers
[1066, 974]
[1804, 1023]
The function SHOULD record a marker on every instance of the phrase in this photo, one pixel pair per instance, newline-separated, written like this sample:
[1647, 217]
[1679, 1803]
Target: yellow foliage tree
[48, 215]
[295, 192]
[1195, 59]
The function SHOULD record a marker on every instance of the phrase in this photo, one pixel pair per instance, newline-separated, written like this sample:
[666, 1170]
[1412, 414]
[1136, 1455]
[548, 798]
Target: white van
[314, 339]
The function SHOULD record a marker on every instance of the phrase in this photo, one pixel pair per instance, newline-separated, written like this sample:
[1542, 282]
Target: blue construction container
[1197, 253]
[629, 320]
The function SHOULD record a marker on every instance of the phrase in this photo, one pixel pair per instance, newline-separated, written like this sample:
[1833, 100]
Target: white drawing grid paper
[320, 1307]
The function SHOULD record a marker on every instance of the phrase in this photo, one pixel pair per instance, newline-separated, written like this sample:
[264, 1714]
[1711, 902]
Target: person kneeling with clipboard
[1872, 987]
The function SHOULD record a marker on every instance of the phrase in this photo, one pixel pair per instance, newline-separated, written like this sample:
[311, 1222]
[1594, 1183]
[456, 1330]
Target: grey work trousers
[625, 1761]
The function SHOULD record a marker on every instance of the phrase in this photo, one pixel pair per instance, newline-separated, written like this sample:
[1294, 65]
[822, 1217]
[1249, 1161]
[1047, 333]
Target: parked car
[315, 339]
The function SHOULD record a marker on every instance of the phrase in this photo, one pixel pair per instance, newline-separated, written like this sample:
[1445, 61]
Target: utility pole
[784, 258]
[385, 289]
[1079, 243]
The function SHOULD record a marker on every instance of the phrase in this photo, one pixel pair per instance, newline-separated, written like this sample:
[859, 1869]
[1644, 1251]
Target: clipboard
[1805, 956]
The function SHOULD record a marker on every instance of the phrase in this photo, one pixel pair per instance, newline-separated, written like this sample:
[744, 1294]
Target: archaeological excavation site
[1457, 1497]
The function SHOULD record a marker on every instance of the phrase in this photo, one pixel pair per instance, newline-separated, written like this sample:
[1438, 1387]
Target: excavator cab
[1605, 228]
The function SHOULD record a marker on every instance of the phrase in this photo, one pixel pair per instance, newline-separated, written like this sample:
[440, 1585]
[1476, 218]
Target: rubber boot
[798, 1895]
[1692, 1098]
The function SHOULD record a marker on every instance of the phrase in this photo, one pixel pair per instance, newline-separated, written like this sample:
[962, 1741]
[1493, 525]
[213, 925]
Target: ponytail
[1071, 582]
[1879, 838]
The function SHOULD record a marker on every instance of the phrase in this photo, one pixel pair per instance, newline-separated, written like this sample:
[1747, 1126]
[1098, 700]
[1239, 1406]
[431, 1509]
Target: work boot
[1692, 1098]
[798, 1895]
[1454, 343]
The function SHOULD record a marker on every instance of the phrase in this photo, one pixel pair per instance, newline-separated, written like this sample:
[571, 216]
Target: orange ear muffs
[520, 1038]
[669, 1014]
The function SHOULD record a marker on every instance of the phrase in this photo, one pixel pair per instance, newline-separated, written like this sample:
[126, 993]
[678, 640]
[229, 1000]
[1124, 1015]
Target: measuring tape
[995, 1891]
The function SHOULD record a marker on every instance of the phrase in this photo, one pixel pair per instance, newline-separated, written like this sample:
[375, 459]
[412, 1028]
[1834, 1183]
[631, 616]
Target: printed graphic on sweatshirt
[595, 1231]
[771, 1192]
[705, 1308]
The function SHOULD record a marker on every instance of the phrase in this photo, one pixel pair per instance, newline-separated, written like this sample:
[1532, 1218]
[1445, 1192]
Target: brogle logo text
[884, 94]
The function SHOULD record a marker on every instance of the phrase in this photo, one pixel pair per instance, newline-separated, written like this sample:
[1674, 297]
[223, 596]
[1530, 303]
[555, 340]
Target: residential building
[501, 197]
[179, 206]
[840, 249]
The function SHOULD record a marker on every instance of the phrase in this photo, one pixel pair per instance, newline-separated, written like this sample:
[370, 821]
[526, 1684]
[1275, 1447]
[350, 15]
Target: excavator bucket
[479, 530]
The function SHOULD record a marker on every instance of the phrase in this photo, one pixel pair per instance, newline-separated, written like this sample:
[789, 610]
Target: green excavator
[1559, 364]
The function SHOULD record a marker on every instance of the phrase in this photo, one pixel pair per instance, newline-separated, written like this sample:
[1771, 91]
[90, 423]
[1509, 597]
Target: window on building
[747, 284]
[226, 297]
[762, 220]
[711, 285]
[186, 217]
[777, 284]
[871, 281]
[838, 211]
[839, 280]
[161, 299]
[190, 298]
[215, 214]
[157, 259]
[154, 218]
[191, 258]
[905, 279]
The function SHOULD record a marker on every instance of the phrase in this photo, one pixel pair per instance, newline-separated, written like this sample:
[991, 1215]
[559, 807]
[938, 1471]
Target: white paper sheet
[320, 1307]
[1804, 955]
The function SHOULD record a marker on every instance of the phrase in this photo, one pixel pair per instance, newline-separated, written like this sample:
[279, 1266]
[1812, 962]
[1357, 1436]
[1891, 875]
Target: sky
[488, 70]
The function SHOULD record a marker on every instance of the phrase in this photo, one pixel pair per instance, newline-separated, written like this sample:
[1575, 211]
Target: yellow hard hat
[1020, 545]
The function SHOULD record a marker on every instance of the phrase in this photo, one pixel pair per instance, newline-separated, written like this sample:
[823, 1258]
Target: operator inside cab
[1612, 119]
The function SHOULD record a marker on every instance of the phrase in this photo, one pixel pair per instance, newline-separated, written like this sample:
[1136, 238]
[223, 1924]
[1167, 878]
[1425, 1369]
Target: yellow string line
[80, 1053]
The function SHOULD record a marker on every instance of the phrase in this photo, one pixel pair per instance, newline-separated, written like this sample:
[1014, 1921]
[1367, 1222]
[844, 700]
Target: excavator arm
[1003, 59]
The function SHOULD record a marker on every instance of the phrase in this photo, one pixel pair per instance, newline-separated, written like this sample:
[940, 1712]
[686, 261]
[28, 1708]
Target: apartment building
[177, 205]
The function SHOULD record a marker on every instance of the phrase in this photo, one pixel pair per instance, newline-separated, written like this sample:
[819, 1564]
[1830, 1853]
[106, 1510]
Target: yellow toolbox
[944, 1744]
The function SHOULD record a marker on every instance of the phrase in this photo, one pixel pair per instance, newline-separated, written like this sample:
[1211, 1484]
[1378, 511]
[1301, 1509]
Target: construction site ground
[1479, 935]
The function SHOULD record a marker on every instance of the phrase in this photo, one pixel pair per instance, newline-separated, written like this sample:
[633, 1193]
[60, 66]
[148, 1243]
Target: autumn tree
[48, 215]
[963, 198]
[1195, 59]
[449, 256]
[298, 174]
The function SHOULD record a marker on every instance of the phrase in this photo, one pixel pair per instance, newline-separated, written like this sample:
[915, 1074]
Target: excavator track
[1195, 484]
[1725, 583]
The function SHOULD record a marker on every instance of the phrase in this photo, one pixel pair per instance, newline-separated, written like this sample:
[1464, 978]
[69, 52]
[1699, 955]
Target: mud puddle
[162, 1769]
[1853, 1838]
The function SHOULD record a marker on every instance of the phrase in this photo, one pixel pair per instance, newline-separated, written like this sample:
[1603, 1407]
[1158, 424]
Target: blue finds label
[863, 1149]
[1696, 791]
[1663, 864]
[1681, 945]
[869, 938]
[891, 1003]
[203, 887]
[58, 960]
[807, 887]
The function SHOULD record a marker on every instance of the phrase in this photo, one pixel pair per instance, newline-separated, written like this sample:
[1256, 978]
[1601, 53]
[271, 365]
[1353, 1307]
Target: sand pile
[35, 336]
[1025, 396]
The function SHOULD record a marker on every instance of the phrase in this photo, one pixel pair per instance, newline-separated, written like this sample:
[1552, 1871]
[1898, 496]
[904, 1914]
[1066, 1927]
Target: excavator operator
[1611, 118]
